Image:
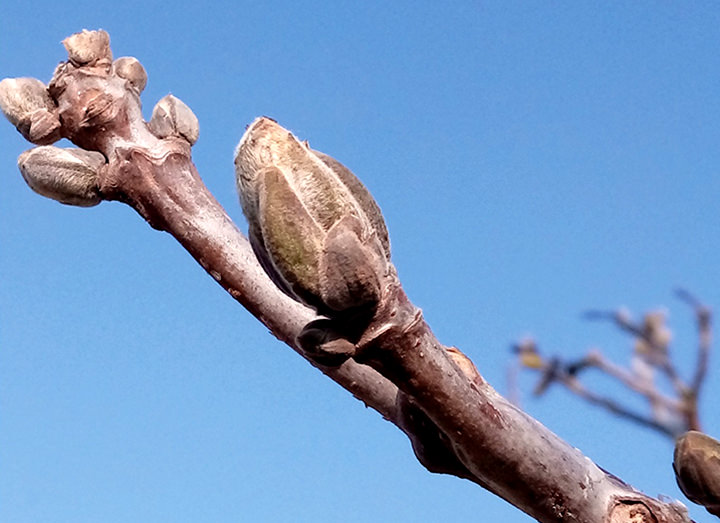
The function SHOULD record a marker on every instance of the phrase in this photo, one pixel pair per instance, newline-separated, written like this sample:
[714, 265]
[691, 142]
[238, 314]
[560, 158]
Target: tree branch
[457, 423]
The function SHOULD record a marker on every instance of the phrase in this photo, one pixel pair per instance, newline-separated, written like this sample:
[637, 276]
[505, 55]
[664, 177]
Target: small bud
[697, 469]
[88, 47]
[66, 175]
[322, 343]
[656, 331]
[41, 128]
[431, 446]
[314, 227]
[465, 364]
[131, 70]
[25, 102]
[171, 117]
[527, 350]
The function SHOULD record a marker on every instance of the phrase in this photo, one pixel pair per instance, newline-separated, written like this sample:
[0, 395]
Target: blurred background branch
[670, 412]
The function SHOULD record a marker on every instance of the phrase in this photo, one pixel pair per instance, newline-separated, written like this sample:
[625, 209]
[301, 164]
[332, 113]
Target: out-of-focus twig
[671, 415]
[630, 380]
[613, 406]
[652, 339]
[703, 317]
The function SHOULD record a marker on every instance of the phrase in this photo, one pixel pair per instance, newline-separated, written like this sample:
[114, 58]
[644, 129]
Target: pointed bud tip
[312, 221]
[172, 117]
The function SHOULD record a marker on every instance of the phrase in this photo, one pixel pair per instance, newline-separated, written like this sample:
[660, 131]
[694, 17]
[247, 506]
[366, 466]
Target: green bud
[313, 225]
[697, 469]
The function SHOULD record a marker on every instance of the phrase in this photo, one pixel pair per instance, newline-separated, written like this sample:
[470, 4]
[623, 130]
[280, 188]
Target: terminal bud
[88, 48]
[314, 227]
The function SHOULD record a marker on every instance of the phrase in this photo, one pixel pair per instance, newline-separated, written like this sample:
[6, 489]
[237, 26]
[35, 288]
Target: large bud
[697, 469]
[315, 228]
[69, 176]
[27, 104]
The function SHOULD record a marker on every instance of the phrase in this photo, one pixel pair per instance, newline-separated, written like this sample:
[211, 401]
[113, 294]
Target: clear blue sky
[532, 159]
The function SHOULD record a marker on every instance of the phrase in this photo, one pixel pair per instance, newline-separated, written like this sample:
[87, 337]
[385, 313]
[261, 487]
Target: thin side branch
[703, 317]
[669, 415]
[652, 333]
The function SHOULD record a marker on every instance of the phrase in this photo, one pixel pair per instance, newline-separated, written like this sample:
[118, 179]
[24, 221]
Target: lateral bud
[314, 227]
[88, 48]
[172, 117]
[325, 345]
[130, 68]
[697, 469]
[69, 176]
[26, 103]
[465, 364]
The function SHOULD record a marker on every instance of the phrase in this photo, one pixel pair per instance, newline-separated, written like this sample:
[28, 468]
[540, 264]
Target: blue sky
[532, 160]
